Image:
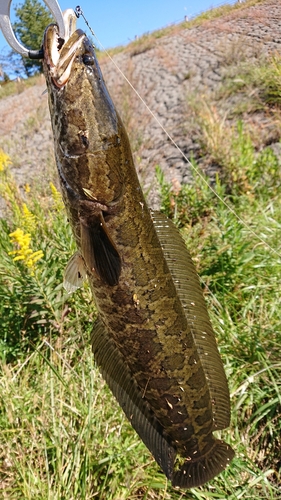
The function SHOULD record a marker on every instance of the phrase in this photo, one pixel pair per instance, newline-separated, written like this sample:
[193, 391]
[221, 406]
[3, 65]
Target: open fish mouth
[59, 54]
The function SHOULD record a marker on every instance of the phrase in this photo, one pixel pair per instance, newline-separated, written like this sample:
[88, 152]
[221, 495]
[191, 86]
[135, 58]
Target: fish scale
[153, 340]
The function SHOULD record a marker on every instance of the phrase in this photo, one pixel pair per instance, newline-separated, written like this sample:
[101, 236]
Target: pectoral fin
[98, 249]
[120, 380]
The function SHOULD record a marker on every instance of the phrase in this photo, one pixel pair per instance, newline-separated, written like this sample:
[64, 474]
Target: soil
[168, 73]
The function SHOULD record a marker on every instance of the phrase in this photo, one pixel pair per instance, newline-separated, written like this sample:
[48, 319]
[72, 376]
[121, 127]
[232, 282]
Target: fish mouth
[59, 54]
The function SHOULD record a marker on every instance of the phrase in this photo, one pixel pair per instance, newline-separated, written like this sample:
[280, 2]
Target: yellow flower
[29, 219]
[4, 160]
[56, 195]
[8, 188]
[23, 251]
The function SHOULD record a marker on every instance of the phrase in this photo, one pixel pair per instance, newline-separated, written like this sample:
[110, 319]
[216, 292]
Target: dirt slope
[168, 72]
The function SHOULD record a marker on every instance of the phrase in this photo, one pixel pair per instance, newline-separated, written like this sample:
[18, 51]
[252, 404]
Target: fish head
[86, 127]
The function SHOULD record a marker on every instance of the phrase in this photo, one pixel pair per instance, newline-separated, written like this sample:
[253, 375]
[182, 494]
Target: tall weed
[63, 436]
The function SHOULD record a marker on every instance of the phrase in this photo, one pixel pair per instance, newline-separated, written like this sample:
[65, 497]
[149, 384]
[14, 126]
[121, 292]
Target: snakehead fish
[153, 340]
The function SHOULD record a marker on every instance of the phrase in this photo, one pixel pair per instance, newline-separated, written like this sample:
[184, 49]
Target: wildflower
[27, 188]
[8, 188]
[56, 195]
[4, 160]
[29, 219]
[23, 251]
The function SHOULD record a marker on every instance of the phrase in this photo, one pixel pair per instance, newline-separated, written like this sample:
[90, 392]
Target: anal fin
[120, 380]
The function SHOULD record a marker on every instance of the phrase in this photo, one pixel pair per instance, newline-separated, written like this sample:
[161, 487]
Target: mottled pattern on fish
[154, 341]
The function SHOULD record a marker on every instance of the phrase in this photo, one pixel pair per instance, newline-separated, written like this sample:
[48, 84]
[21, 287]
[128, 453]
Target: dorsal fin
[120, 380]
[189, 290]
[98, 249]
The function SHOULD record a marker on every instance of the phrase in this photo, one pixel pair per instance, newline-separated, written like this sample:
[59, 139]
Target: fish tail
[195, 472]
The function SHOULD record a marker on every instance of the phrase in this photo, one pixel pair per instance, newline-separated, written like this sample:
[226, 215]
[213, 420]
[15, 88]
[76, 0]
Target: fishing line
[79, 12]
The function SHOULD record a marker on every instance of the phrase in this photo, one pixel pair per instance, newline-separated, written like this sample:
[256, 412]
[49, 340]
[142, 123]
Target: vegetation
[62, 433]
[222, 10]
[229, 124]
[258, 84]
[63, 436]
[18, 86]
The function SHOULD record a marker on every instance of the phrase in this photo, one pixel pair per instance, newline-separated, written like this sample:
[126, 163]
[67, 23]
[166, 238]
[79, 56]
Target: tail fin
[196, 472]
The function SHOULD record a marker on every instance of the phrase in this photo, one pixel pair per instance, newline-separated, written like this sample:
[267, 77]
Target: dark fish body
[153, 341]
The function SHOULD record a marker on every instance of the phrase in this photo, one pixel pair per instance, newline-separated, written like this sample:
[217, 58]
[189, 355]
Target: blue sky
[120, 21]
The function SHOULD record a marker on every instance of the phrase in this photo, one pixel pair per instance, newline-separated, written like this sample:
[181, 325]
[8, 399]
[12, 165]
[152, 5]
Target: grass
[17, 86]
[257, 83]
[235, 145]
[240, 279]
[63, 436]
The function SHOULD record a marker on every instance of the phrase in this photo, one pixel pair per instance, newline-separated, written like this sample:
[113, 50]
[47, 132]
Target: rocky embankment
[168, 72]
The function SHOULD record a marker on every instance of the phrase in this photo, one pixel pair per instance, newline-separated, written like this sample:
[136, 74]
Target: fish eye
[88, 60]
